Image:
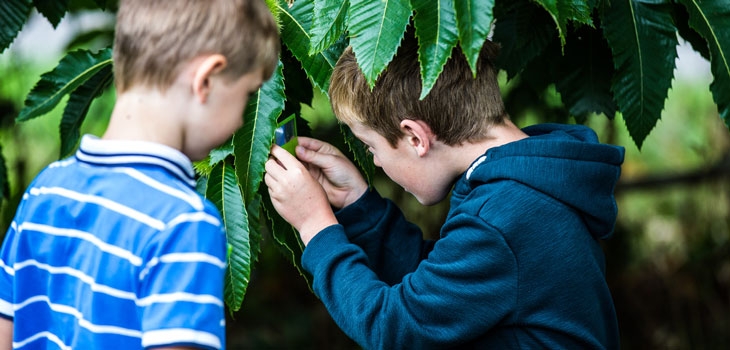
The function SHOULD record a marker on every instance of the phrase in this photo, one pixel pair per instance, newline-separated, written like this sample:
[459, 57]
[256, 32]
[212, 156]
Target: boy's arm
[6, 334]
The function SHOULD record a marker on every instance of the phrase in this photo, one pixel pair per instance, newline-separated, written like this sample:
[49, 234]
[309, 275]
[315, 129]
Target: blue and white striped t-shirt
[114, 249]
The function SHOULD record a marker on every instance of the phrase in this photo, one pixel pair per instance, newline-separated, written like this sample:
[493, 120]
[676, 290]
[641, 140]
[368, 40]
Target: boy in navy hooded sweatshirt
[518, 264]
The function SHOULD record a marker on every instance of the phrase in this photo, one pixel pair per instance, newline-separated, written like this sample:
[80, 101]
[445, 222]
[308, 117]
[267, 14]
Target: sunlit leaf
[711, 18]
[252, 142]
[644, 45]
[73, 70]
[13, 14]
[53, 10]
[328, 23]
[435, 23]
[222, 189]
[376, 29]
[474, 20]
[296, 22]
[78, 106]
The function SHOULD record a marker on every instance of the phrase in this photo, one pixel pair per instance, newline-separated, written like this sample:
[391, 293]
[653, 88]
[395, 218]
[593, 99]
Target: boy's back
[113, 248]
[106, 240]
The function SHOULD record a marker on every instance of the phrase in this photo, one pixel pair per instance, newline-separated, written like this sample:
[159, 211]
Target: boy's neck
[148, 114]
[464, 155]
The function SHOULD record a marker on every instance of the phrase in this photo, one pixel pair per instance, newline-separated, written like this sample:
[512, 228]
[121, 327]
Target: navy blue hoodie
[518, 264]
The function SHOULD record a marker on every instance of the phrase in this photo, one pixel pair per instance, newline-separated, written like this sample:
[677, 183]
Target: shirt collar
[96, 151]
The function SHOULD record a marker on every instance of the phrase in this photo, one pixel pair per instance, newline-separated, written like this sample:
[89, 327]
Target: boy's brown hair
[459, 108]
[154, 38]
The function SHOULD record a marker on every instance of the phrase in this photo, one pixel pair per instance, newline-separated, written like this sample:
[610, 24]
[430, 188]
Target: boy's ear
[418, 135]
[205, 68]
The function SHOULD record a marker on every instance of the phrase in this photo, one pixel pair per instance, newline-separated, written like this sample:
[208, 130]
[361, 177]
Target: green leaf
[376, 29]
[644, 45]
[53, 10]
[435, 25]
[252, 142]
[13, 14]
[296, 22]
[474, 20]
[523, 31]
[359, 152]
[78, 106]
[328, 23]
[73, 70]
[711, 18]
[584, 75]
[222, 189]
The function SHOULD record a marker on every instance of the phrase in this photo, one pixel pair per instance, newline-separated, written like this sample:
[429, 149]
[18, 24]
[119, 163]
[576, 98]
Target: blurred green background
[668, 261]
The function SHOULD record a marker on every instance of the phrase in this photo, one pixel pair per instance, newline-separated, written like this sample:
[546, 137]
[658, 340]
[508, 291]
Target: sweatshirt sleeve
[465, 286]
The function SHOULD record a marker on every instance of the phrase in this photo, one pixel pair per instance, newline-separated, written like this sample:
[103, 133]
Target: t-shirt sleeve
[7, 274]
[181, 291]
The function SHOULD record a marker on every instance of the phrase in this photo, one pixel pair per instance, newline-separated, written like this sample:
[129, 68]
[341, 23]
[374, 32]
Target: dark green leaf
[563, 11]
[584, 76]
[13, 14]
[474, 20]
[78, 106]
[285, 236]
[328, 23]
[376, 29]
[359, 152]
[436, 31]
[523, 31]
[296, 22]
[73, 70]
[711, 18]
[644, 45]
[222, 189]
[297, 86]
[53, 10]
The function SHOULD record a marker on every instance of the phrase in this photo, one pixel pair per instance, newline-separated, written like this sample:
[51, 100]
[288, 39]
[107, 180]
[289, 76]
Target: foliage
[602, 57]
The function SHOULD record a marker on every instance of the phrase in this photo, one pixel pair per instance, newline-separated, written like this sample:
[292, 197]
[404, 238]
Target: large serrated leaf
[328, 23]
[13, 14]
[523, 31]
[296, 22]
[222, 189]
[644, 45]
[252, 142]
[474, 20]
[78, 106]
[584, 76]
[376, 29]
[435, 25]
[53, 10]
[72, 71]
[711, 18]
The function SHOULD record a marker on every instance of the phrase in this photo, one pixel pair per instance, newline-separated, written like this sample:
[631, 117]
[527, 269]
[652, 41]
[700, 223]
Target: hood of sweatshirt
[565, 162]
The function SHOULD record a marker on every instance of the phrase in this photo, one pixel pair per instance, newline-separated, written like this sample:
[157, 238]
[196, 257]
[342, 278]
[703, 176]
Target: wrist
[315, 225]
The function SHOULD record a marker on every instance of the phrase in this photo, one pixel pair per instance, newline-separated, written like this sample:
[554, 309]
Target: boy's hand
[296, 196]
[340, 179]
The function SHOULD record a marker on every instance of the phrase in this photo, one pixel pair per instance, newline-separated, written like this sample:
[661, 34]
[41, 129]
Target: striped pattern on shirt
[113, 248]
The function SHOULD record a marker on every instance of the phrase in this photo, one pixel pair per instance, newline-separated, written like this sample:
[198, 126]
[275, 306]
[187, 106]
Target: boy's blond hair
[154, 38]
[459, 108]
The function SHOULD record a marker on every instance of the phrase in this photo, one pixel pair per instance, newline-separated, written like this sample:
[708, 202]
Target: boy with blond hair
[518, 264]
[113, 248]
